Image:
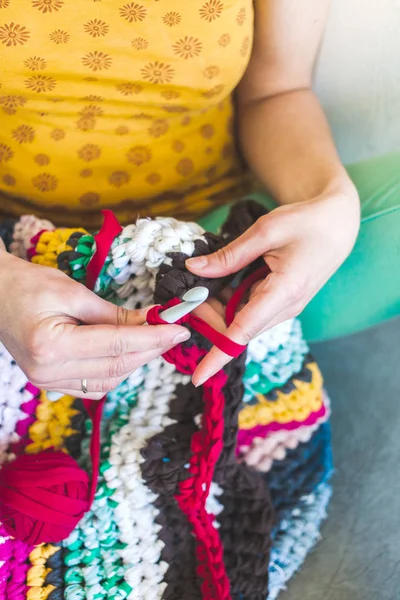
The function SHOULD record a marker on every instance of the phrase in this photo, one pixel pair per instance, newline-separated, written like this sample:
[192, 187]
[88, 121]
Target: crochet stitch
[211, 493]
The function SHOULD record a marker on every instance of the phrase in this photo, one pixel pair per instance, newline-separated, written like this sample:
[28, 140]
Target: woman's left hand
[303, 244]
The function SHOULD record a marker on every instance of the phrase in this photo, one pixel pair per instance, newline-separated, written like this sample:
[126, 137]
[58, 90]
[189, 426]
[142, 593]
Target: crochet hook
[190, 300]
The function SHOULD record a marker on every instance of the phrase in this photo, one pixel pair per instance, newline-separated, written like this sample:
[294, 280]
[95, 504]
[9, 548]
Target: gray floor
[359, 555]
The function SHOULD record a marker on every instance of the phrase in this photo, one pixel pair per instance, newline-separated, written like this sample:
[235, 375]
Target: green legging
[366, 289]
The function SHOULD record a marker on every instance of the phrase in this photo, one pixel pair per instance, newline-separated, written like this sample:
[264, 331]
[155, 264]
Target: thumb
[232, 258]
[93, 310]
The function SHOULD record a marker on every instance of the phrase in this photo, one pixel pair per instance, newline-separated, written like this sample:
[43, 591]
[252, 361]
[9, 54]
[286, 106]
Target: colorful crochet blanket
[210, 493]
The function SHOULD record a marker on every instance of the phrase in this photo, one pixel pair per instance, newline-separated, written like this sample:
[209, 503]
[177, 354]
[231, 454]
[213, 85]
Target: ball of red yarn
[42, 496]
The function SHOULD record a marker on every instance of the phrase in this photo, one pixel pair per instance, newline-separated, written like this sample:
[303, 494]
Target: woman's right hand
[59, 332]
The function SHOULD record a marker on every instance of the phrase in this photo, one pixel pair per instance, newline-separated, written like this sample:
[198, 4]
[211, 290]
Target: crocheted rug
[211, 493]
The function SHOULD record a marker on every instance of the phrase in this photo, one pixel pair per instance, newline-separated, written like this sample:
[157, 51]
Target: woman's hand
[303, 244]
[60, 333]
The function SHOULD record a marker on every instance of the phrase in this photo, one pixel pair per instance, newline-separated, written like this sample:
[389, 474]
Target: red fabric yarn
[240, 291]
[104, 239]
[44, 496]
[206, 447]
[31, 252]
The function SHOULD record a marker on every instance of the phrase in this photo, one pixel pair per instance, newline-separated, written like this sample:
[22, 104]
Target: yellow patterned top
[120, 104]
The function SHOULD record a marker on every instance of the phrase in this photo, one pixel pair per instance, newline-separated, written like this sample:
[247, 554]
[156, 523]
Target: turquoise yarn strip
[277, 367]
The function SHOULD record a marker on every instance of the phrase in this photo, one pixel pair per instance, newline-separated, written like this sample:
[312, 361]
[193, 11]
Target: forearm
[287, 143]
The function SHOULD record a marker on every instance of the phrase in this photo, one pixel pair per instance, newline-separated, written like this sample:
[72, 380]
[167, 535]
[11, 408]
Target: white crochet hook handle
[190, 300]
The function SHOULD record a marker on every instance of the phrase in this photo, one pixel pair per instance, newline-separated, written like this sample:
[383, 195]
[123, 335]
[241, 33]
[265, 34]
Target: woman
[129, 105]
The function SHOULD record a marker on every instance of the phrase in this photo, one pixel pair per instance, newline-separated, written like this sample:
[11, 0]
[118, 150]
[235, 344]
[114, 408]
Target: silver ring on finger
[84, 385]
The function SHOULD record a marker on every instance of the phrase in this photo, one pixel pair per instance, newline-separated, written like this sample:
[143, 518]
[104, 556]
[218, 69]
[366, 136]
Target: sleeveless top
[119, 104]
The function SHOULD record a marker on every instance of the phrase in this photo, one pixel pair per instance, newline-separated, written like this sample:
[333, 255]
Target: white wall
[358, 76]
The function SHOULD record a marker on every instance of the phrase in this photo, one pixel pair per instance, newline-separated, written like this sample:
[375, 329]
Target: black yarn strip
[56, 575]
[73, 442]
[241, 217]
[179, 553]
[65, 258]
[247, 518]
[292, 475]
[303, 469]
[74, 238]
[6, 231]
[170, 285]
[166, 455]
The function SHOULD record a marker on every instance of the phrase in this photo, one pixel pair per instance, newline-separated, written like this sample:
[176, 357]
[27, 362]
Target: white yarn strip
[279, 349]
[213, 505]
[141, 249]
[269, 341]
[135, 514]
[12, 396]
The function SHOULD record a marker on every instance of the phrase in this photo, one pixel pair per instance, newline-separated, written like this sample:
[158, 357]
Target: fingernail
[181, 337]
[198, 263]
[54, 396]
[200, 382]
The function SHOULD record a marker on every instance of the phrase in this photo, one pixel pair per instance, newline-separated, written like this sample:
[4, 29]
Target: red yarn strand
[206, 447]
[104, 239]
[241, 290]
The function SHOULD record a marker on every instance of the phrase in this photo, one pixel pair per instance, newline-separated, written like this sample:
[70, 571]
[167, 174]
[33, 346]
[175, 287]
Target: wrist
[342, 193]
[341, 185]
[338, 214]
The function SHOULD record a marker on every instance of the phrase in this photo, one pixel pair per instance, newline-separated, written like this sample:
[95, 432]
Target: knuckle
[37, 375]
[296, 309]
[261, 224]
[119, 345]
[117, 368]
[294, 292]
[159, 339]
[38, 348]
[226, 256]
[106, 385]
[246, 335]
[122, 316]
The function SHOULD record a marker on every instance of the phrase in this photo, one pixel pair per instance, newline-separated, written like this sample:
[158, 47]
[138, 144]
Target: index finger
[97, 341]
[263, 309]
